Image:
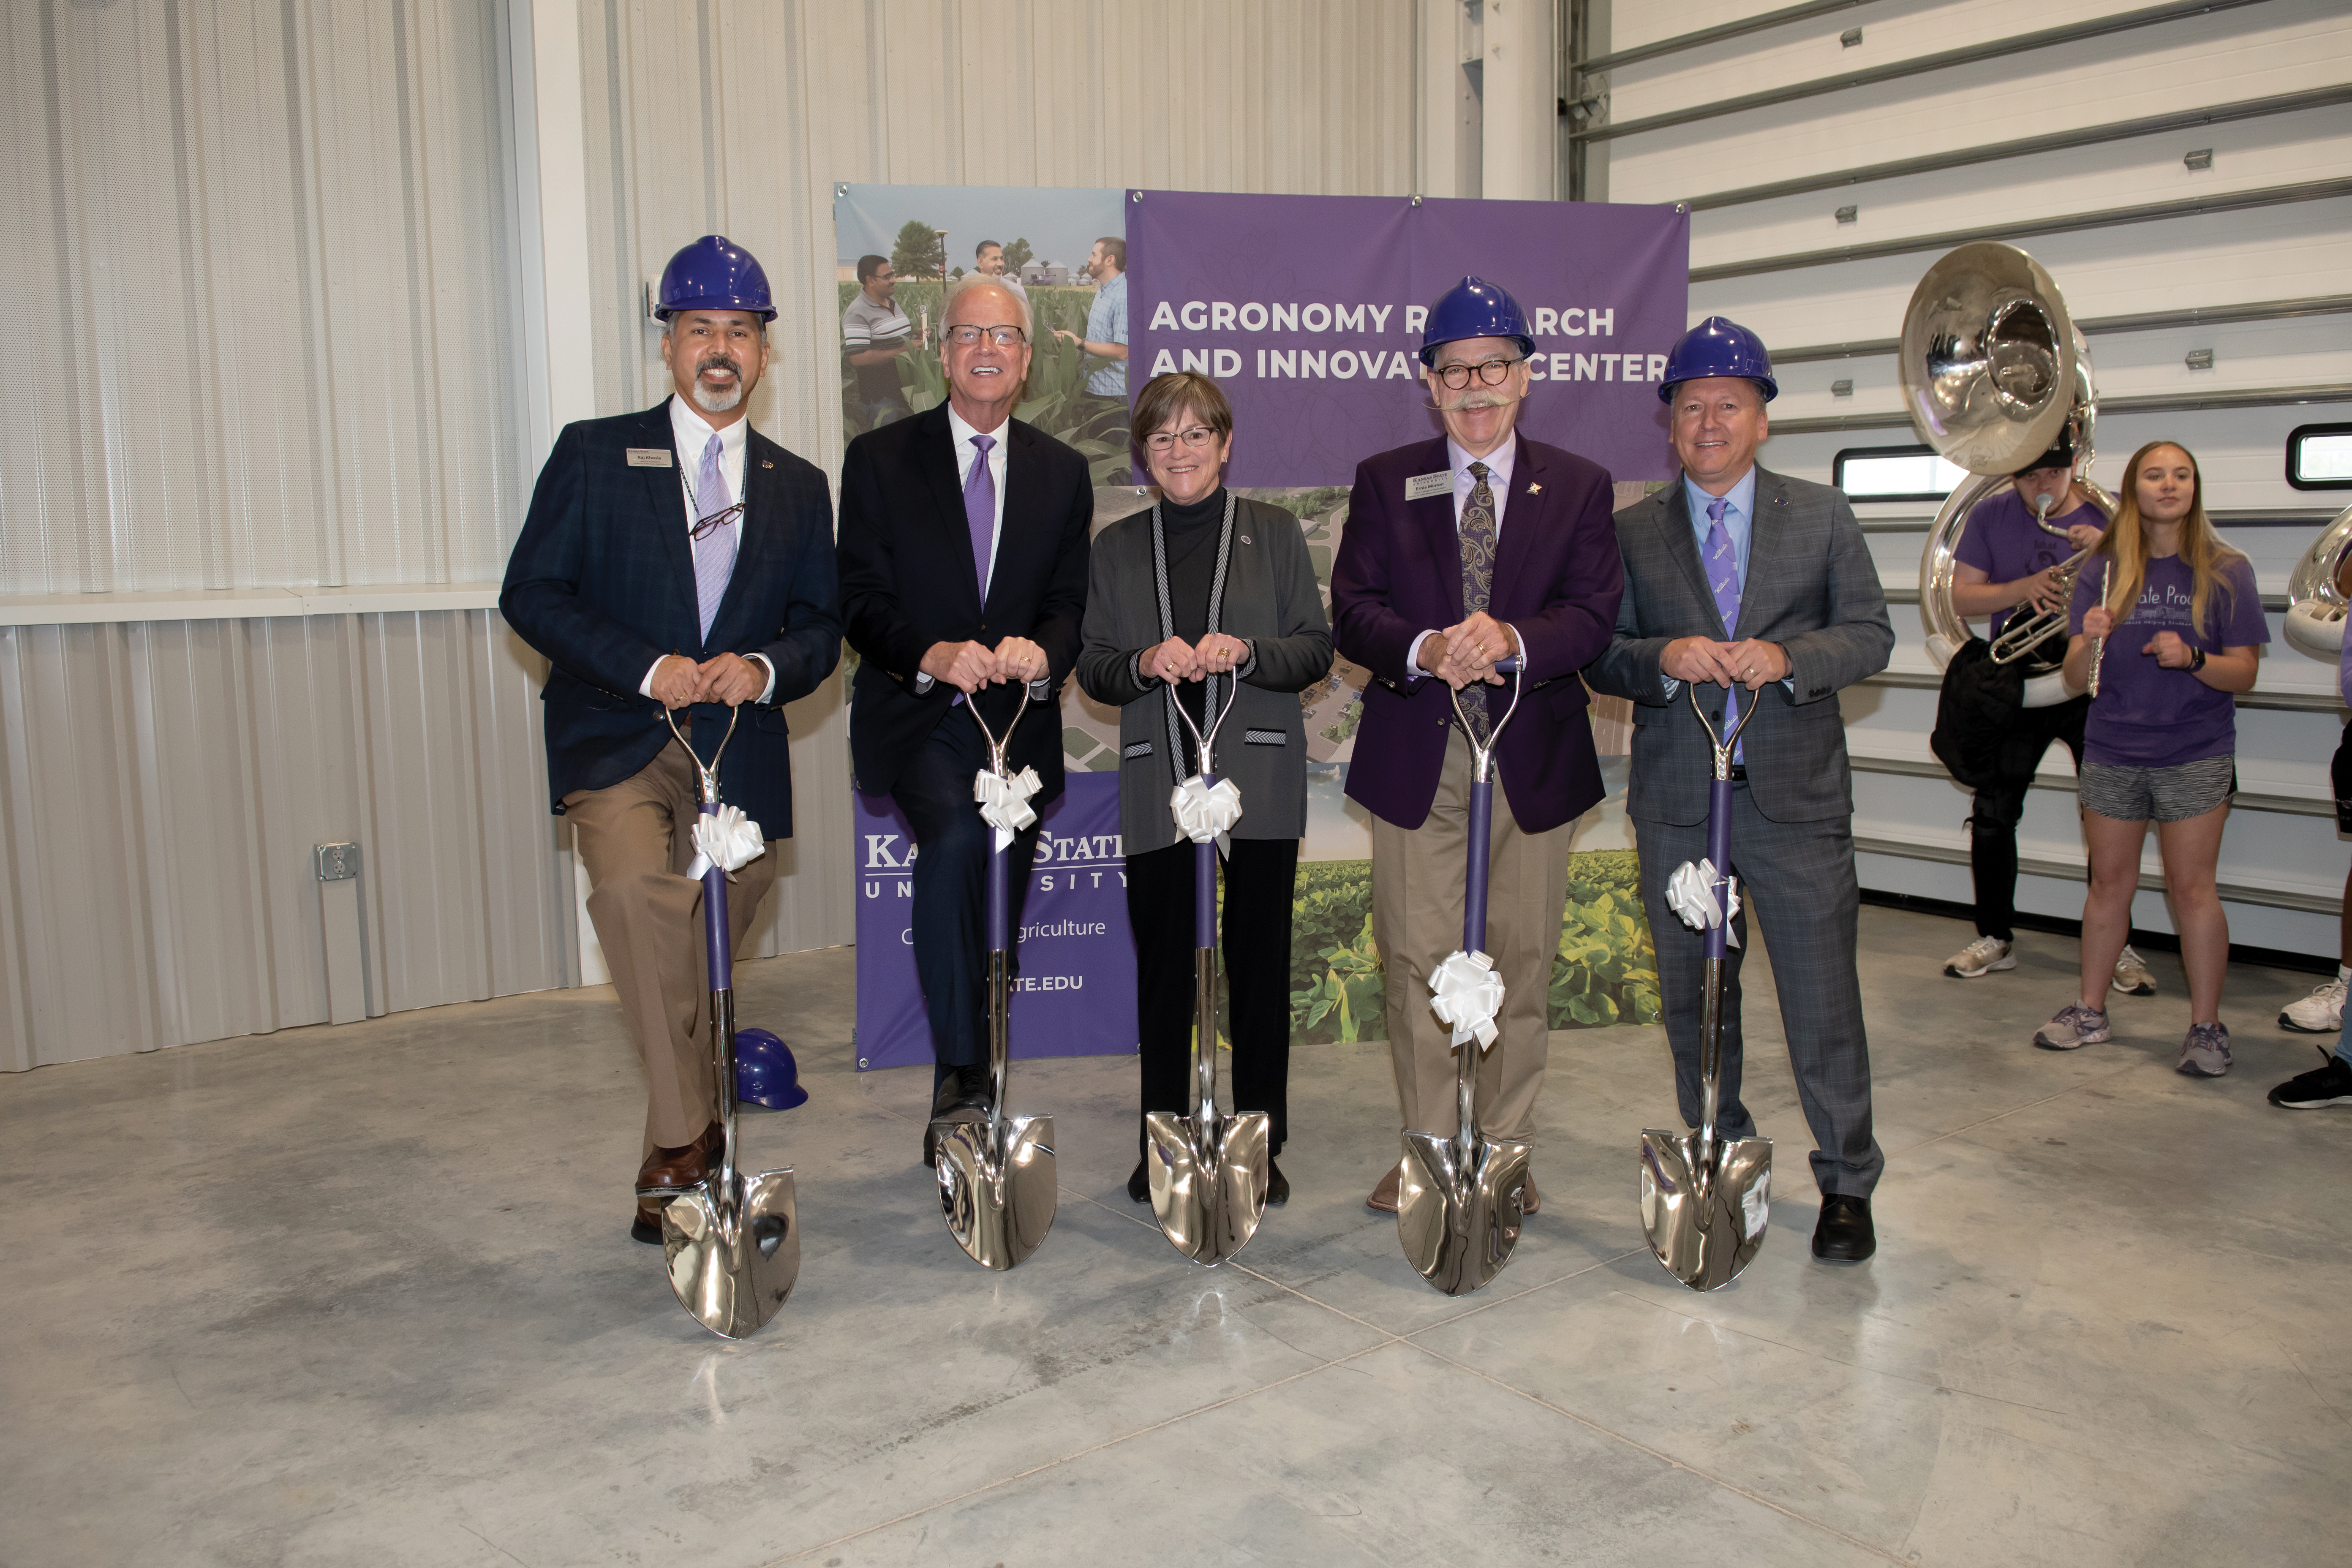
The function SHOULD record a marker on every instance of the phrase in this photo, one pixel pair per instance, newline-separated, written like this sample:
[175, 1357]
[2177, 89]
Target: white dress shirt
[1498, 479]
[689, 433]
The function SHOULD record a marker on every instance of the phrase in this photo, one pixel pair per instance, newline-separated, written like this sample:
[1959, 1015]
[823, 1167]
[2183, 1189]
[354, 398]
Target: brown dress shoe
[1384, 1196]
[668, 1172]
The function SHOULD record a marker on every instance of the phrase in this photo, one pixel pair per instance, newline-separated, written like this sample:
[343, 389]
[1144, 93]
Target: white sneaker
[1981, 956]
[2321, 1013]
[2132, 977]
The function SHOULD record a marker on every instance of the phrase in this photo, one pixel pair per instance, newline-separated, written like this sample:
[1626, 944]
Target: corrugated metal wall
[327, 391]
[1924, 157]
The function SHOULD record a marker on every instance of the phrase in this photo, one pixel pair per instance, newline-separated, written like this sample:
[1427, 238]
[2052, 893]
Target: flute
[2099, 644]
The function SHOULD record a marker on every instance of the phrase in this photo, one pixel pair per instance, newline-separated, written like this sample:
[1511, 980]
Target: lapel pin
[1244, 539]
[766, 464]
[1535, 490]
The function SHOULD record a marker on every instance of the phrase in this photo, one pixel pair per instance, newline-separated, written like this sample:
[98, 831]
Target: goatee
[711, 402]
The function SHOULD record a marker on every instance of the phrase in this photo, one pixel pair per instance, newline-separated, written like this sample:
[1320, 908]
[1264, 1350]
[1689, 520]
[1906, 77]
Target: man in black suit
[963, 577]
[648, 587]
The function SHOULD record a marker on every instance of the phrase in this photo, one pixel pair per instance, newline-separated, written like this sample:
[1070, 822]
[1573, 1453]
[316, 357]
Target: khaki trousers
[1417, 888]
[636, 838]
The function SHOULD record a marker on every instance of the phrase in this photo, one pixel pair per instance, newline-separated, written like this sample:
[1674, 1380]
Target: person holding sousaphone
[2167, 635]
[1207, 600]
[2015, 562]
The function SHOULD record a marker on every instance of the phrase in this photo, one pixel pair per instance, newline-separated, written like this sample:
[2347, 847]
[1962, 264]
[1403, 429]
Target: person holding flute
[2182, 629]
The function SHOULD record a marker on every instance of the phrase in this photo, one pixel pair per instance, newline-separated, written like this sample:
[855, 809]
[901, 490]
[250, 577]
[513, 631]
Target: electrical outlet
[1848, 215]
[1841, 389]
[335, 862]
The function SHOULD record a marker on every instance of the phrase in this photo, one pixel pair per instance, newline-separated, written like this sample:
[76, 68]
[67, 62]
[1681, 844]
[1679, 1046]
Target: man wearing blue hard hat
[1739, 577]
[676, 559]
[1467, 555]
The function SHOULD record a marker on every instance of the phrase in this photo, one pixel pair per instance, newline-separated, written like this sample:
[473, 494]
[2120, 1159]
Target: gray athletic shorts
[2158, 794]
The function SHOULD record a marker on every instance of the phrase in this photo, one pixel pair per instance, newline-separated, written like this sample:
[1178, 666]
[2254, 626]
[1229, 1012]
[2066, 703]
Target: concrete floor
[365, 1296]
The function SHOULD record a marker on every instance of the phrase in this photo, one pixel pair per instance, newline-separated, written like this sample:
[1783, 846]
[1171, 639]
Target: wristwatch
[2196, 659]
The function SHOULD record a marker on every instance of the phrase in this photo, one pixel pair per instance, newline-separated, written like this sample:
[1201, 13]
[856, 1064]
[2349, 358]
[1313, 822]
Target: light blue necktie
[1723, 578]
[714, 553]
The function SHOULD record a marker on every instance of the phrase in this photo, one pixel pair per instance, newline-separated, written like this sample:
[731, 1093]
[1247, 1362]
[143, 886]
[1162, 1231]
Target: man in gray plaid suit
[1737, 575]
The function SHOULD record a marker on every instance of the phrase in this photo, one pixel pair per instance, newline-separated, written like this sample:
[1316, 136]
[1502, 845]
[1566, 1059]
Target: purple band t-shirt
[2003, 541]
[2150, 717]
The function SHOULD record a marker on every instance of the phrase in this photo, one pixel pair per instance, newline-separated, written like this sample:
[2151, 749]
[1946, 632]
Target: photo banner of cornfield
[1604, 972]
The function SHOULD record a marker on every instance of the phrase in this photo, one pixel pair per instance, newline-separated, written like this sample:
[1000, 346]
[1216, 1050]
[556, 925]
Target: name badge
[1422, 485]
[649, 457]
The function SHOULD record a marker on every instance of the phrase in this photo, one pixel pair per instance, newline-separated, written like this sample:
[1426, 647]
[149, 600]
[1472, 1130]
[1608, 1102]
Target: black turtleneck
[1192, 561]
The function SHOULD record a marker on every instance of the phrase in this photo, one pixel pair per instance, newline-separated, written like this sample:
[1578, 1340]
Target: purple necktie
[980, 512]
[1723, 578]
[714, 553]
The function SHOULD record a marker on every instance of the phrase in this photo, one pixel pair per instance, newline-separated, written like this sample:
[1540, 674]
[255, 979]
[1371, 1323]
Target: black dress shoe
[1278, 1185]
[644, 1228]
[1844, 1233]
[961, 1095]
[1139, 1185]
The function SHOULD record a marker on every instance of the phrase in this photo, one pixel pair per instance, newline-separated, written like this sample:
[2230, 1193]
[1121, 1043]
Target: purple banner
[1308, 309]
[1076, 994]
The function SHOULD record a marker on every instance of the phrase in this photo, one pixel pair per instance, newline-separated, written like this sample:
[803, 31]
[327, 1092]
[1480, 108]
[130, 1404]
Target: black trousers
[1993, 819]
[1260, 875]
[950, 878]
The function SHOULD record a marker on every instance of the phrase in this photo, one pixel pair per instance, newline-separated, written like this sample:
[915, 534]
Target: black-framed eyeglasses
[1455, 377]
[703, 527]
[1198, 435]
[1002, 337]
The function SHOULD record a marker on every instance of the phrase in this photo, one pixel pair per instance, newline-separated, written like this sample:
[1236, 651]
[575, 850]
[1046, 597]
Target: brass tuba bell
[1993, 371]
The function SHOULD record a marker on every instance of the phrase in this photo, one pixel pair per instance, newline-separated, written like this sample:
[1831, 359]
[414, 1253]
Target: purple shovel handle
[999, 900]
[1473, 886]
[1204, 884]
[719, 951]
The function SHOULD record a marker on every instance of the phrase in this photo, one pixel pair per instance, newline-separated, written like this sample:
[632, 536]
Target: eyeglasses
[1455, 377]
[703, 527]
[1198, 435]
[1002, 337]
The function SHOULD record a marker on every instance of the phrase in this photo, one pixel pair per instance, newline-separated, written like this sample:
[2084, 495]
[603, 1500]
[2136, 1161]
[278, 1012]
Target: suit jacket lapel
[1020, 479]
[1435, 516]
[665, 503]
[1767, 532]
[755, 536]
[935, 454]
[1682, 548]
[1522, 513]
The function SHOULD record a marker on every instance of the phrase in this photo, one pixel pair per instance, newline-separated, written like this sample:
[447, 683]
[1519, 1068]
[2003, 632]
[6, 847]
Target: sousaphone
[1993, 371]
[2316, 604]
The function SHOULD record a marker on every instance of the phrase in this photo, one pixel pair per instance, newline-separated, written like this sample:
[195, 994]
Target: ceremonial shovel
[996, 1176]
[1705, 1200]
[1460, 1199]
[731, 1242]
[1208, 1171]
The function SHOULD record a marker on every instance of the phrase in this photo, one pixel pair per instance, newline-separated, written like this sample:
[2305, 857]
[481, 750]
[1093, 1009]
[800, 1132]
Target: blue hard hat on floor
[1474, 308]
[1718, 346]
[765, 1072]
[715, 273]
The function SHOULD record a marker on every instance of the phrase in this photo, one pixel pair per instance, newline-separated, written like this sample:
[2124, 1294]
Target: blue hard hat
[765, 1073]
[1474, 308]
[1718, 346]
[715, 273]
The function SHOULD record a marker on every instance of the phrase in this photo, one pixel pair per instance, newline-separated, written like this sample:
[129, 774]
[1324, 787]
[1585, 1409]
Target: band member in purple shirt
[2178, 631]
[2322, 1012]
[2004, 565]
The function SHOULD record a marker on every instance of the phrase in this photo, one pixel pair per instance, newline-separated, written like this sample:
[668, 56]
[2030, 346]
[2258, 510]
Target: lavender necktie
[714, 553]
[1723, 578]
[980, 512]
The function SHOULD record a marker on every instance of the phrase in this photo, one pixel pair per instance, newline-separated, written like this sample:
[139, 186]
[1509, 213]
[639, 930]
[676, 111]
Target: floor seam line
[1080, 1454]
[2012, 1111]
[1663, 1457]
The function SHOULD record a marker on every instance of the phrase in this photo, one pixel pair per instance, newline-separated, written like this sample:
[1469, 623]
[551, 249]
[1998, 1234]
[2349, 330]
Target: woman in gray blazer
[1203, 594]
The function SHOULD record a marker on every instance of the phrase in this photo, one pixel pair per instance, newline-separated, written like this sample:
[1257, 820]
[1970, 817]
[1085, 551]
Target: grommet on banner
[1135, 195]
[1416, 201]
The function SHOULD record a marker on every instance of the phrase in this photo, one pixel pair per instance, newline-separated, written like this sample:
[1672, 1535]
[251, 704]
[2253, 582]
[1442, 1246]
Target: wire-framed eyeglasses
[1199, 436]
[703, 527]
[1455, 377]
[1002, 337]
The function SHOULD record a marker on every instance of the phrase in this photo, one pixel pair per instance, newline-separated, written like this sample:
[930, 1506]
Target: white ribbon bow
[1469, 995]
[1690, 892]
[1204, 813]
[1004, 802]
[727, 839]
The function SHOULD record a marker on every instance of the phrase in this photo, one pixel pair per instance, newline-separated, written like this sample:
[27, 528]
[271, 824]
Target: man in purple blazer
[1464, 557]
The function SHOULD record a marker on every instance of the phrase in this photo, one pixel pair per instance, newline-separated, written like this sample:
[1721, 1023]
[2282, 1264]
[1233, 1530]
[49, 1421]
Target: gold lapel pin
[1535, 490]
[766, 464]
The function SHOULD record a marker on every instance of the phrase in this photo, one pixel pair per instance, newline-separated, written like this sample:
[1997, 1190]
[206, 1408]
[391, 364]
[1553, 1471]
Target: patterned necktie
[714, 552]
[1477, 531]
[1723, 578]
[980, 512]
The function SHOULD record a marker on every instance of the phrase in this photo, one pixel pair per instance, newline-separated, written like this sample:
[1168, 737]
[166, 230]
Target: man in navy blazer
[963, 577]
[1461, 556]
[648, 587]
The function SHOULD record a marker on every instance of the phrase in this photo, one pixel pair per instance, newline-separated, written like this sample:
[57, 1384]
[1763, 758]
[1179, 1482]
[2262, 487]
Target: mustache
[718, 362]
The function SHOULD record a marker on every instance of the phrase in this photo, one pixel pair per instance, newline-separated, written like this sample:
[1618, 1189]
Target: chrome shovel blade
[731, 1264]
[1208, 1182]
[1459, 1227]
[996, 1186]
[1704, 1233]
